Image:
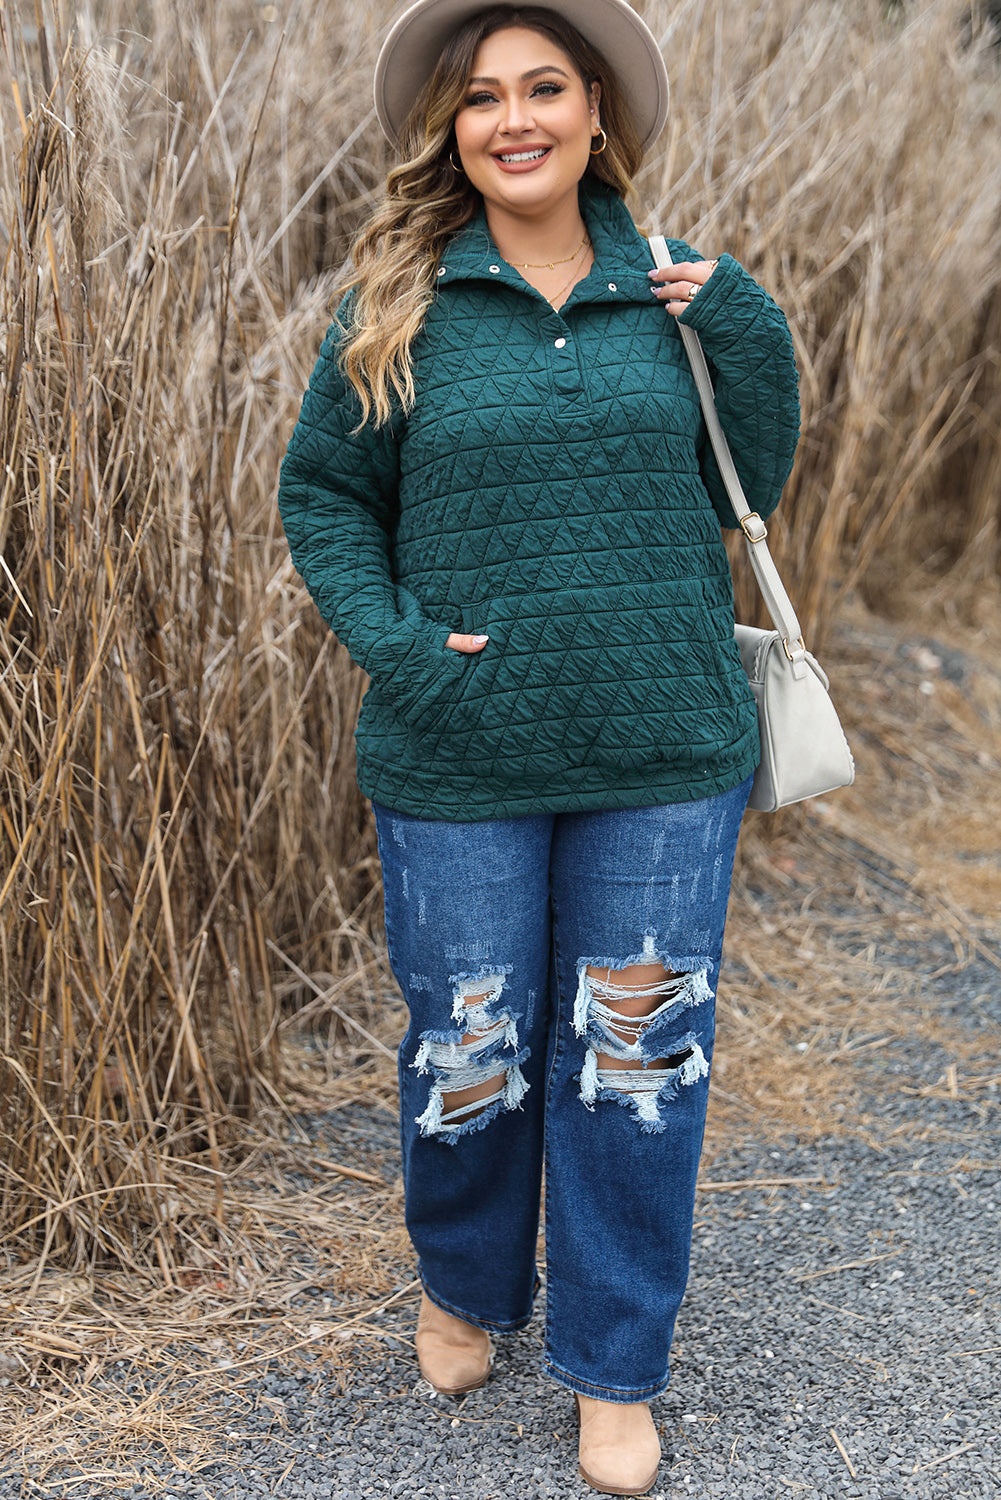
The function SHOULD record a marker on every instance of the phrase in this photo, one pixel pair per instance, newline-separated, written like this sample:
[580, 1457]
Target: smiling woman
[499, 496]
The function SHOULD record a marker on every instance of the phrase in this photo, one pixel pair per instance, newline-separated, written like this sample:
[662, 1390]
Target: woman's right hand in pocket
[469, 644]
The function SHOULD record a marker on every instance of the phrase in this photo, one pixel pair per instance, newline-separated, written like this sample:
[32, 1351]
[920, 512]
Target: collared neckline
[621, 255]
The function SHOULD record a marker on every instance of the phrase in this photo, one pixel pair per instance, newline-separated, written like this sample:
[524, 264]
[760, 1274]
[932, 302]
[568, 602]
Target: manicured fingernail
[653, 273]
[480, 640]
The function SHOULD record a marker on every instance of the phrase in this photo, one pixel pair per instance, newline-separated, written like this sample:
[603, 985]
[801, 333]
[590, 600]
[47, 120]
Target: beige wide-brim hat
[412, 49]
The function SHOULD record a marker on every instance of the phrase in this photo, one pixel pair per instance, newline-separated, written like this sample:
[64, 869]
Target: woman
[500, 496]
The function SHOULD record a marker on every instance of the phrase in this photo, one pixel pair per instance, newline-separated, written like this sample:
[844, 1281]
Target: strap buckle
[800, 646]
[753, 527]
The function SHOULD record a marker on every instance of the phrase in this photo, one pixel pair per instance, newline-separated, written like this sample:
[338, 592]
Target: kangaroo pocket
[619, 676]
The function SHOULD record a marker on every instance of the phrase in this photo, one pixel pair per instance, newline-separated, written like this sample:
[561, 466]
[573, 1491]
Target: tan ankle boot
[619, 1447]
[454, 1356]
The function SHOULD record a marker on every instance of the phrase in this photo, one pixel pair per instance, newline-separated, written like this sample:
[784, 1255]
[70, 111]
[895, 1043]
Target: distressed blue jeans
[515, 916]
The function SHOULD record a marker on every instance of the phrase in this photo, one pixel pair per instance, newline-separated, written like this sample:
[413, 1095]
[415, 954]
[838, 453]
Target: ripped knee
[639, 1053]
[477, 1067]
[631, 995]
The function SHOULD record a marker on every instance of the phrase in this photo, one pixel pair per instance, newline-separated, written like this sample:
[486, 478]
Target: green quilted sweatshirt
[553, 488]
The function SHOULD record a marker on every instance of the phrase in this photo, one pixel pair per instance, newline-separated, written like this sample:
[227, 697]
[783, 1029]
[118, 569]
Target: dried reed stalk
[152, 753]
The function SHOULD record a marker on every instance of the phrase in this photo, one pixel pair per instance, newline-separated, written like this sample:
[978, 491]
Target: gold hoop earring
[451, 163]
[604, 143]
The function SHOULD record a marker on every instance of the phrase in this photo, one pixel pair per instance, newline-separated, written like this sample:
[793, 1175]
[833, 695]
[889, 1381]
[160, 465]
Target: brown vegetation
[184, 855]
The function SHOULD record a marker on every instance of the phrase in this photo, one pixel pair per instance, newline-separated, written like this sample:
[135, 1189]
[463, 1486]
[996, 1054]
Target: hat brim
[415, 42]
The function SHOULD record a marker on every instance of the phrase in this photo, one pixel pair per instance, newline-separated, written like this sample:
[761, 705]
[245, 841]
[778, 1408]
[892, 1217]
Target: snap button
[441, 270]
[560, 343]
[612, 287]
[495, 270]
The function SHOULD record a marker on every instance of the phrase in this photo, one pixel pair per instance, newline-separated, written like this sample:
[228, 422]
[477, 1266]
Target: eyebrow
[532, 73]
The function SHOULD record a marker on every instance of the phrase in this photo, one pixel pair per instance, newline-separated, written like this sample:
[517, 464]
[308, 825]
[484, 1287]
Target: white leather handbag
[804, 752]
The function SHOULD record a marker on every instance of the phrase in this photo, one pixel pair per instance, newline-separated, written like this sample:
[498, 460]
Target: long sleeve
[338, 497]
[749, 350]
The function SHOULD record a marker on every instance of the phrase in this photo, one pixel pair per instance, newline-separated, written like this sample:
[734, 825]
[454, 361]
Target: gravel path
[841, 1336]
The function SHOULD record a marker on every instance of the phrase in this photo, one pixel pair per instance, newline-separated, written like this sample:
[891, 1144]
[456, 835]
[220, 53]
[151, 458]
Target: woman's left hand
[678, 285]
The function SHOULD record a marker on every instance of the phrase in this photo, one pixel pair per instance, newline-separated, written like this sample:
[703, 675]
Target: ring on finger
[692, 290]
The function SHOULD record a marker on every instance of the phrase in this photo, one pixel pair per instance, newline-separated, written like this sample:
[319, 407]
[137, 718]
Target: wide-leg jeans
[497, 931]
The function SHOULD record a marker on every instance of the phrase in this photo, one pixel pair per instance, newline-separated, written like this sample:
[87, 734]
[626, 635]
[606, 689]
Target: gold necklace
[550, 265]
[566, 287]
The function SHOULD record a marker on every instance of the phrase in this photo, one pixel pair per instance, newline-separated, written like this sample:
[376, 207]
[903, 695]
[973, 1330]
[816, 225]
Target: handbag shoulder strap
[777, 601]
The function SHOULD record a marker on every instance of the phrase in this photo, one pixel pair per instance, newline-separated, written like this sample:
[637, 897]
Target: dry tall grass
[182, 841]
[850, 156]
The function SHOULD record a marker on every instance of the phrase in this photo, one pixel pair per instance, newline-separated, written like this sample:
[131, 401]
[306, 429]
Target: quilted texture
[554, 489]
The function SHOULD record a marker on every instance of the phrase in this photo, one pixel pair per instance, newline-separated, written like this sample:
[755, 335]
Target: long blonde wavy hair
[426, 202]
